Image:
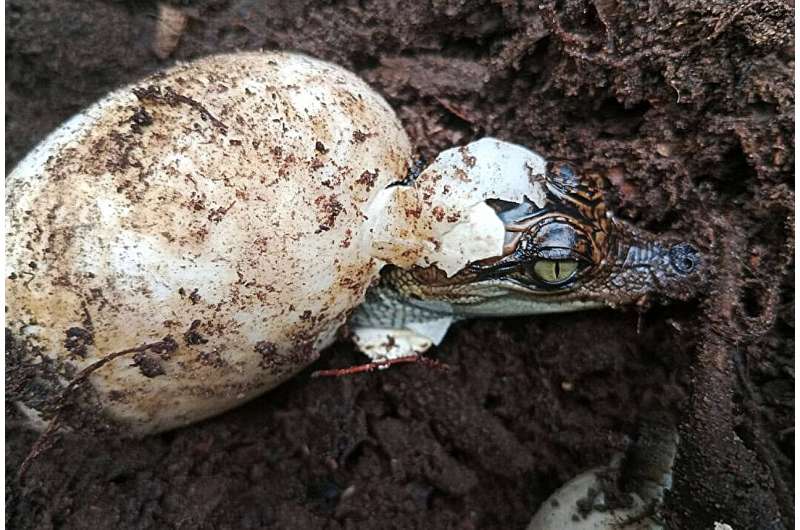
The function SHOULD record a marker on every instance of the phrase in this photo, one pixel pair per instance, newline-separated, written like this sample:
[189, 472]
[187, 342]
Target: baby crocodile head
[567, 254]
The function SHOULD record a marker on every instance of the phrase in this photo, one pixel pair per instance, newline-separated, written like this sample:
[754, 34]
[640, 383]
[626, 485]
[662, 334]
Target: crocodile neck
[400, 298]
[394, 305]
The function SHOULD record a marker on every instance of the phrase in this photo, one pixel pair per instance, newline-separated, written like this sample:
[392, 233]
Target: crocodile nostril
[684, 258]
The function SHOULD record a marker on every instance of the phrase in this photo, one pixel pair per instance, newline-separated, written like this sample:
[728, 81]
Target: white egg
[212, 216]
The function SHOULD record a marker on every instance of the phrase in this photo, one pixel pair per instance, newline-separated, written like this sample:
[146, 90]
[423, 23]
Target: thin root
[378, 365]
[47, 439]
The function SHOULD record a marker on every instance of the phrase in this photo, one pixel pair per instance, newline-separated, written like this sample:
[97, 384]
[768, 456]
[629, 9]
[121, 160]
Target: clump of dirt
[685, 109]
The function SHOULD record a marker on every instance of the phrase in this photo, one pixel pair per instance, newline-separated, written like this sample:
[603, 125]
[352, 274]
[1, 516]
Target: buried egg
[209, 220]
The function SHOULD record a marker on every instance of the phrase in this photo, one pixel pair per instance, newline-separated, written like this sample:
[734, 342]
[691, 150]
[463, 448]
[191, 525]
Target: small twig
[455, 111]
[42, 444]
[87, 371]
[46, 441]
[378, 365]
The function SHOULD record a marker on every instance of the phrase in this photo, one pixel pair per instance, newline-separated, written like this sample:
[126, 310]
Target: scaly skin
[602, 261]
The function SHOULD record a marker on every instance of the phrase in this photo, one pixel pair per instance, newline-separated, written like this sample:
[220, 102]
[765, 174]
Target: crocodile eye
[555, 271]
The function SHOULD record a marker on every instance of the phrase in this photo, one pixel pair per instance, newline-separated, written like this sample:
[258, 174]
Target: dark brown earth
[684, 108]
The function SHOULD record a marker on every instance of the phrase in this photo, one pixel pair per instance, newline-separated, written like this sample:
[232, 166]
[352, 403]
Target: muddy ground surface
[685, 109]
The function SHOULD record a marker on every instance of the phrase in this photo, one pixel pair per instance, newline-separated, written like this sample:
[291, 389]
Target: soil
[684, 108]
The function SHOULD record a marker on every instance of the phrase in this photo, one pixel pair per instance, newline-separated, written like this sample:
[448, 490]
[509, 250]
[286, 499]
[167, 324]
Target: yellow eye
[555, 271]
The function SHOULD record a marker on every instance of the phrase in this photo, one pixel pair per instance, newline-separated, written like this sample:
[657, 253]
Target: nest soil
[684, 108]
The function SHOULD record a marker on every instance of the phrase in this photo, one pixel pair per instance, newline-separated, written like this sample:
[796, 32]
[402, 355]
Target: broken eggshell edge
[443, 218]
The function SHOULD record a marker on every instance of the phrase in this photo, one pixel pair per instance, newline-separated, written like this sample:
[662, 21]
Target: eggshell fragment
[443, 218]
[211, 216]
